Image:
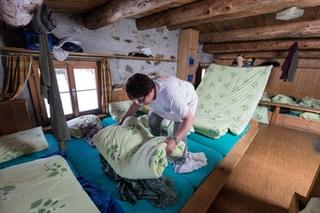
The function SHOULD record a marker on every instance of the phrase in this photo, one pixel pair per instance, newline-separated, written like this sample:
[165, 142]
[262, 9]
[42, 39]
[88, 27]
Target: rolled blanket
[132, 151]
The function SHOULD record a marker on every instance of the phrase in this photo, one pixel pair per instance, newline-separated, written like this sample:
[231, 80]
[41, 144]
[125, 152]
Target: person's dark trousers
[155, 128]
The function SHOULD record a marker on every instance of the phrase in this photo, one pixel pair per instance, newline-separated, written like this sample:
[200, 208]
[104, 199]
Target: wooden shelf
[92, 55]
[277, 118]
[299, 108]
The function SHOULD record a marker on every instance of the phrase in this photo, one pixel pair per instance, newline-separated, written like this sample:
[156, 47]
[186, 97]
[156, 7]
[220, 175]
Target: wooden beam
[268, 54]
[252, 46]
[117, 9]
[302, 64]
[207, 11]
[304, 29]
[188, 46]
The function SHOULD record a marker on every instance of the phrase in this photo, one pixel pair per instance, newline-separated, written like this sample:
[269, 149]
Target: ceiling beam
[207, 11]
[252, 46]
[269, 54]
[114, 10]
[303, 29]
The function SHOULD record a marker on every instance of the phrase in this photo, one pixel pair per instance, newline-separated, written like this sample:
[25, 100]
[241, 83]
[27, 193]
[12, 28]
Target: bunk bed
[196, 190]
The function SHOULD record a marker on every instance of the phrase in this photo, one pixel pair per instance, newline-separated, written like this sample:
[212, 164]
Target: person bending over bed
[169, 98]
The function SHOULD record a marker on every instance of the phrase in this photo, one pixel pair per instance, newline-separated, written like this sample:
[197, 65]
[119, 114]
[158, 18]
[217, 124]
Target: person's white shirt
[174, 98]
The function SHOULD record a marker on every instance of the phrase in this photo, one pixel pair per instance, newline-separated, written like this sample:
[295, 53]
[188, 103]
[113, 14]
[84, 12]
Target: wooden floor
[279, 162]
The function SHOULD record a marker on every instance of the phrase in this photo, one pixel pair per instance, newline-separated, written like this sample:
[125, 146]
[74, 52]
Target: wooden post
[275, 115]
[188, 51]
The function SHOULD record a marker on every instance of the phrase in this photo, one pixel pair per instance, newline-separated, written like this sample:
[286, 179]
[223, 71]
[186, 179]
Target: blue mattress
[198, 176]
[223, 145]
[52, 149]
[85, 160]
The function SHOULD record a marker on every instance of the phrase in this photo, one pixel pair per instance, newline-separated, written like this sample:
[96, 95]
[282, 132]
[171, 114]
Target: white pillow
[117, 109]
[76, 125]
[22, 143]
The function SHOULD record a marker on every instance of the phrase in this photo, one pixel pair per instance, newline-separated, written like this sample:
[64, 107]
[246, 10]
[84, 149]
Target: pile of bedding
[228, 97]
[261, 113]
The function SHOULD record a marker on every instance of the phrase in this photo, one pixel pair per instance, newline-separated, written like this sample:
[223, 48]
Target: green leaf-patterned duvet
[45, 185]
[228, 97]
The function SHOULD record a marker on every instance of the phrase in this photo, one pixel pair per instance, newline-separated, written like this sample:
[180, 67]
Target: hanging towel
[50, 90]
[290, 64]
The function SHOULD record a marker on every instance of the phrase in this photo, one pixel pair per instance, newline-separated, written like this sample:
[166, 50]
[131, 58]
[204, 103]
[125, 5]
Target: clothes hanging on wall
[290, 64]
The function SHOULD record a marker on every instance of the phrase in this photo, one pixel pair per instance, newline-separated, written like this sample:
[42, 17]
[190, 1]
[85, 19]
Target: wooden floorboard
[279, 162]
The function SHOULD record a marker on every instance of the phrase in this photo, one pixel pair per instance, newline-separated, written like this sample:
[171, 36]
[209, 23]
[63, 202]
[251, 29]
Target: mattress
[43, 185]
[85, 160]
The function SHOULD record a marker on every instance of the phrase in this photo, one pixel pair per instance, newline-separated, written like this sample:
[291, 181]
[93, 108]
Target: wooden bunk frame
[298, 202]
[207, 192]
[280, 119]
[14, 117]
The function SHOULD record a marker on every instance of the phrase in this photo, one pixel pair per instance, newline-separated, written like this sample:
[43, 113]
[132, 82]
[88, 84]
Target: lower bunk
[40, 183]
[190, 188]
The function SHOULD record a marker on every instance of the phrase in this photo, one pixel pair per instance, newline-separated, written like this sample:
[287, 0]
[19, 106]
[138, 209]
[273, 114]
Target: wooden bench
[281, 119]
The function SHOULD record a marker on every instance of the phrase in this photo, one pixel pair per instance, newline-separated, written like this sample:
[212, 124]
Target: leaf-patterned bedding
[228, 97]
[132, 151]
[44, 185]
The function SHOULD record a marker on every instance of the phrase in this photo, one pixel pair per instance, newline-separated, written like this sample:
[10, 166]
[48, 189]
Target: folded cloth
[43, 21]
[193, 161]
[60, 54]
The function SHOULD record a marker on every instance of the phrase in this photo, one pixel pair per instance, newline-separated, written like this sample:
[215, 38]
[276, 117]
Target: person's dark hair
[139, 85]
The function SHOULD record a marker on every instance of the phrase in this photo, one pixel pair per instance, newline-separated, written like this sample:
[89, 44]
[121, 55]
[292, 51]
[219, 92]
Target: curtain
[16, 73]
[106, 85]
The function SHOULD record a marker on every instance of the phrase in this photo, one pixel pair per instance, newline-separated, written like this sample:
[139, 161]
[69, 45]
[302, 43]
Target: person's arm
[184, 127]
[132, 109]
[181, 133]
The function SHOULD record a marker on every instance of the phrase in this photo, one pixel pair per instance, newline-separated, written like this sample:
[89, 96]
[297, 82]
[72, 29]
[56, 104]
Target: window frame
[70, 65]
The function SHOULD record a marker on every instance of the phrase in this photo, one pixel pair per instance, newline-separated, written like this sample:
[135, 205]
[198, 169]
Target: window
[78, 86]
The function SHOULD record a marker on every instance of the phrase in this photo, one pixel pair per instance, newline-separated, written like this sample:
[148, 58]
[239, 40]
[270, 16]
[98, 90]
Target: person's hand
[171, 145]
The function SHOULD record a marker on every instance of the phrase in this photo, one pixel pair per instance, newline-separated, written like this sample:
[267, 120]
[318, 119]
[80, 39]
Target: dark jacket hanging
[290, 64]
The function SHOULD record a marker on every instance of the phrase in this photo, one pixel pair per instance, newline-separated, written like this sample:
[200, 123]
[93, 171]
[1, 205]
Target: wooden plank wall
[14, 117]
[306, 81]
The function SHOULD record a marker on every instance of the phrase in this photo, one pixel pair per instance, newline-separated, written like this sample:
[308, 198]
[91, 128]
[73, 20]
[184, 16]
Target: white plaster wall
[123, 37]
[122, 69]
